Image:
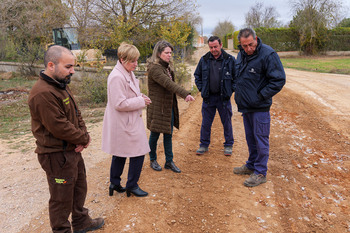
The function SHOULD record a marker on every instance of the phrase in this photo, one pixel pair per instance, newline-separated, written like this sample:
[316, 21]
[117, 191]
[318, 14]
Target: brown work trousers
[66, 176]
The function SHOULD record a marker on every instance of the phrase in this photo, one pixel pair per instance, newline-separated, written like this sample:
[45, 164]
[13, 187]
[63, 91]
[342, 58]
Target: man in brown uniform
[61, 136]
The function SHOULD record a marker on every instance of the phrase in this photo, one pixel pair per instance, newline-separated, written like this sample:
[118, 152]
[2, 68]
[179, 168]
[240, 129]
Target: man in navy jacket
[259, 76]
[214, 77]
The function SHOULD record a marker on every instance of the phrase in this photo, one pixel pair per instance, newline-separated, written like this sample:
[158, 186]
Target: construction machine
[68, 37]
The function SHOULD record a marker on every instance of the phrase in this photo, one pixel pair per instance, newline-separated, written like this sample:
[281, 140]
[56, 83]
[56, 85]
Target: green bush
[29, 54]
[8, 50]
[182, 75]
[93, 89]
[194, 90]
[235, 40]
[226, 38]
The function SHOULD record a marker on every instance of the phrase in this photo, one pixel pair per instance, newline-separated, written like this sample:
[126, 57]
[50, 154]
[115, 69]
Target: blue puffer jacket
[227, 76]
[258, 77]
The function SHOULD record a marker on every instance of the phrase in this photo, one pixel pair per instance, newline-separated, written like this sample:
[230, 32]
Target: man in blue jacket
[214, 77]
[259, 76]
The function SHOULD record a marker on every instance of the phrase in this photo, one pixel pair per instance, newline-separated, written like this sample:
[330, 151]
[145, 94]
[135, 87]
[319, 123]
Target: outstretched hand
[189, 98]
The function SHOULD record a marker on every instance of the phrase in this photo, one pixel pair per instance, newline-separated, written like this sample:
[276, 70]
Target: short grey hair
[245, 33]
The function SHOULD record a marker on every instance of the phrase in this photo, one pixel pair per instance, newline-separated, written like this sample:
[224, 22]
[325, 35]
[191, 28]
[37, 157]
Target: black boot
[136, 191]
[117, 188]
[155, 166]
[171, 165]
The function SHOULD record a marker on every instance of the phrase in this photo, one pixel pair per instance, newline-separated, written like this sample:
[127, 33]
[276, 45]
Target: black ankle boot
[155, 166]
[136, 191]
[171, 165]
[117, 188]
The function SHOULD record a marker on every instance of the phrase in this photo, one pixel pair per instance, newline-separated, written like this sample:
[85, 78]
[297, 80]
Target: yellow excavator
[68, 37]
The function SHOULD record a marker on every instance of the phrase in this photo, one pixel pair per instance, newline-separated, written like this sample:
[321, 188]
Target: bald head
[54, 53]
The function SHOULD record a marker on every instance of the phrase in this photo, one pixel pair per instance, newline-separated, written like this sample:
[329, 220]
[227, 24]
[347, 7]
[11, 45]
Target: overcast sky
[214, 11]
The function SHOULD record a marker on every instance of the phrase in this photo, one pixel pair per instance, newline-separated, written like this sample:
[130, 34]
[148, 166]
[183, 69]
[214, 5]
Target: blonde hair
[128, 52]
[158, 49]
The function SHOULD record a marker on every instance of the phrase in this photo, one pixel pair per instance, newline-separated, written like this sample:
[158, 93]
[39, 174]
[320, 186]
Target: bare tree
[108, 22]
[27, 28]
[80, 12]
[312, 19]
[260, 16]
[32, 20]
[223, 28]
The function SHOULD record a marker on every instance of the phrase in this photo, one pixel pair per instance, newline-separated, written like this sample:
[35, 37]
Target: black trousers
[135, 167]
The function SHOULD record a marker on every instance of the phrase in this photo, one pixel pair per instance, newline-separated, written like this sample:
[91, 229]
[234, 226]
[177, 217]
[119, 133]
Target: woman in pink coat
[124, 134]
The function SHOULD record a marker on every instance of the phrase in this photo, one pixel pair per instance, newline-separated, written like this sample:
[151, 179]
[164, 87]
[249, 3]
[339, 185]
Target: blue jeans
[167, 143]
[208, 113]
[257, 132]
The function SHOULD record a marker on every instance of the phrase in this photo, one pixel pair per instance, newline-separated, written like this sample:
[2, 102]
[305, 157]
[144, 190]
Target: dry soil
[308, 177]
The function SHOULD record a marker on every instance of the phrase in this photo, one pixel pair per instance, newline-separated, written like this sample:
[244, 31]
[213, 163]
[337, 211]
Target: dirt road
[308, 179]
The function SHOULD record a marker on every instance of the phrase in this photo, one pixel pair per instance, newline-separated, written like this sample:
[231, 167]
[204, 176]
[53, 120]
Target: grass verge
[337, 65]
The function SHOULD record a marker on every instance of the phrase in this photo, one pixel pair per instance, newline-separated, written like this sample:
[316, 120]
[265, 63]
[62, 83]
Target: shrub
[182, 75]
[235, 40]
[194, 90]
[93, 89]
[10, 51]
[29, 54]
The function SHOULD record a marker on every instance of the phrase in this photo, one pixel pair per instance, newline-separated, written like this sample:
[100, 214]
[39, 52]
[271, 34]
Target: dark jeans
[135, 167]
[208, 113]
[67, 184]
[167, 143]
[257, 132]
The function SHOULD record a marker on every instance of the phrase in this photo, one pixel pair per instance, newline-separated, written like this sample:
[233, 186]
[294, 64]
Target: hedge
[287, 39]
[338, 39]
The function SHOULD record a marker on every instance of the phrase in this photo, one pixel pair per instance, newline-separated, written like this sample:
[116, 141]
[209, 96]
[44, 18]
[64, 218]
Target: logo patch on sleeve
[66, 100]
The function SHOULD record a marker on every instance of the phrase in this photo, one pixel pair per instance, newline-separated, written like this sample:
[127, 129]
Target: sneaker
[255, 180]
[201, 150]
[242, 170]
[228, 150]
[96, 223]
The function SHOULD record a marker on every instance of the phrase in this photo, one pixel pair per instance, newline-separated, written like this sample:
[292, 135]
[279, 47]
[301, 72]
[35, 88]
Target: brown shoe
[255, 180]
[242, 170]
[96, 223]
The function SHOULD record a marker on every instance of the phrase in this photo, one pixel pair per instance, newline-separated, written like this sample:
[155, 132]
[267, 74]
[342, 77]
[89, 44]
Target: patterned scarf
[169, 73]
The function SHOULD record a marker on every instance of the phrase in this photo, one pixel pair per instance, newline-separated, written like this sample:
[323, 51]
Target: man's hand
[80, 148]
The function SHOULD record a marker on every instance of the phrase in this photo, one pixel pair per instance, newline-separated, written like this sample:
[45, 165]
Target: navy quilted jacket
[258, 78]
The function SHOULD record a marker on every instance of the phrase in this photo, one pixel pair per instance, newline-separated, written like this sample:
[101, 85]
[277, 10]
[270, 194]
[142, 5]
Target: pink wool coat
[124, 133]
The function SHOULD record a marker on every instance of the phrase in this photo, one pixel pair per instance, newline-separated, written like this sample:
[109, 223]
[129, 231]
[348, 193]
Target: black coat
[227, 76]
[258, 78]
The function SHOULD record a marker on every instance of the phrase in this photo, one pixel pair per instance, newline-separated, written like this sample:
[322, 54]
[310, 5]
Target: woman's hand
[189, 98]
[146, 99]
